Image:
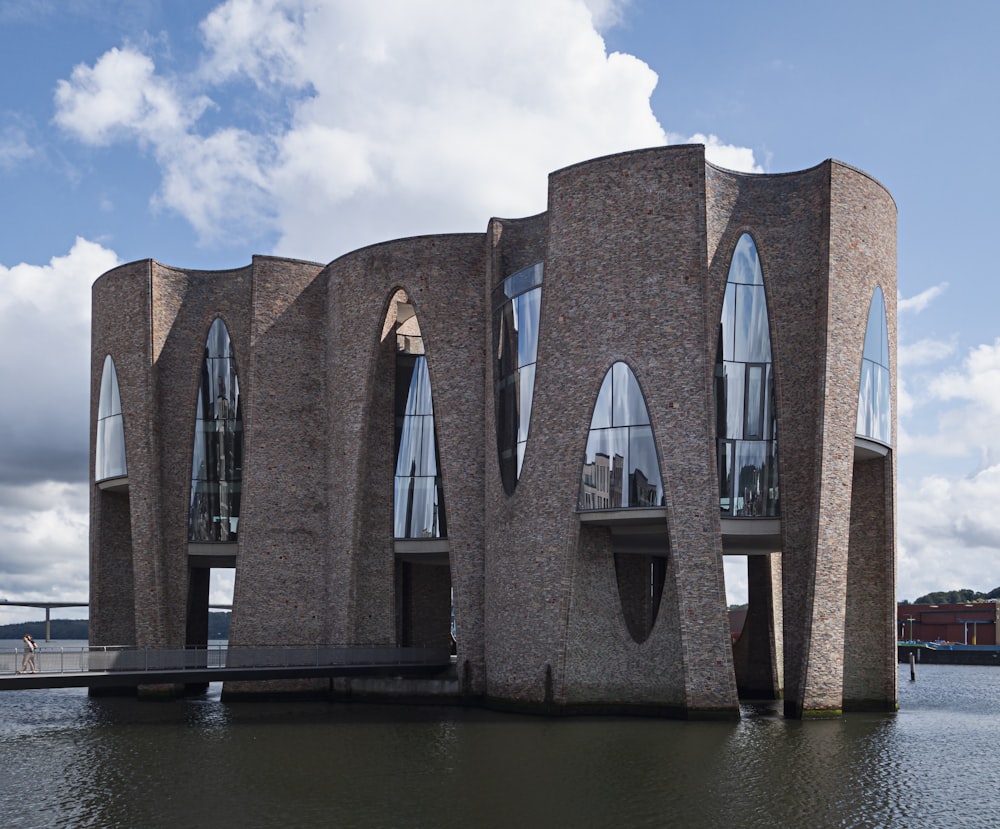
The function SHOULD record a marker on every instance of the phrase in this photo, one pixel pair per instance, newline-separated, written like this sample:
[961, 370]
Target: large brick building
[550, 433]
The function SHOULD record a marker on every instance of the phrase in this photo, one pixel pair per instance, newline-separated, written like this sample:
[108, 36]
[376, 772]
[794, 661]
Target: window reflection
[516, 314]
[217, 459]
[110, 449]
[418, 500]
[874, 403]
[746, 425]
[621, 467]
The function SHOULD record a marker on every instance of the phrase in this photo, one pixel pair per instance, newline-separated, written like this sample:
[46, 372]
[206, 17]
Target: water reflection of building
[708, 375]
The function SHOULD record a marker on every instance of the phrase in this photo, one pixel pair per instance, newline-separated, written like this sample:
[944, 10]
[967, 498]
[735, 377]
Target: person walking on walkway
[29, 654]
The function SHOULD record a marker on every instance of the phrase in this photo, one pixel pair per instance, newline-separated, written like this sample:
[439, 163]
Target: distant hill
[955, 597]
[61, 629]
[218, 628]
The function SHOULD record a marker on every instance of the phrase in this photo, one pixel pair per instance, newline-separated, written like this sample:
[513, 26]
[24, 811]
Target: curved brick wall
[636, 249]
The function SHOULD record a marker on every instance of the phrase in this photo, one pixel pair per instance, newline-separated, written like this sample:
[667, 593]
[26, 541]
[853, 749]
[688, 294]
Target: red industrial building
[967, 624]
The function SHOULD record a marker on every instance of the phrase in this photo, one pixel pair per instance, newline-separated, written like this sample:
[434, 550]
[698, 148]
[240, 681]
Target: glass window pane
[526, 391]
[418, 401]
[874, 388]
[417, 508]
[727, 325]
[109, 403]
[109, 455]
[523, 280]
[507, 412]
[218, 340]
[505, 339]
[734, 375]
[527, 313]
[866, 399]
[602, 408]
[645, 487]
[725, 461]
[101, 452]
[516, 314]
[217, 454]
[883, 406]
[417, 455]
[621, 467]
[603, 468]
[745, 415]
[876, 333]
[629, 405]
[114, 448]
[755, 402]
[771, 499]
[745, 266]
[752, 338]
[752, 474]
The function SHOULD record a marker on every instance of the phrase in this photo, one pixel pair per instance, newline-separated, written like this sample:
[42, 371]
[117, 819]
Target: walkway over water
[115, 667]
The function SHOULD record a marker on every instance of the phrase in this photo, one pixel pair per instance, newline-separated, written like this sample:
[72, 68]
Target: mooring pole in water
[913, 667]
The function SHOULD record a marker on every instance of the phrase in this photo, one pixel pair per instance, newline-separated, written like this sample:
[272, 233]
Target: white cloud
[728, 156]
[916, 304]
[960, 407]
[44, 546]
[927, 351]
[737, 579]
[45, 364]
[422, 139]
[949, 533]
[45, 377]
[949, 529]
[977, 382]
[607, 13]
[121, 94]
[216, 183]
[14, 147]
[375, 120]
[259, 39]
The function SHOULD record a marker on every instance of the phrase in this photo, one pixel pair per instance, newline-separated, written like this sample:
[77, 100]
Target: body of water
[71, 761]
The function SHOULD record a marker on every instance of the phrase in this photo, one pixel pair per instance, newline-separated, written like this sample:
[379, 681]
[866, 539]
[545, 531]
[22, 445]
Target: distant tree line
[218, 628]
[955, 597]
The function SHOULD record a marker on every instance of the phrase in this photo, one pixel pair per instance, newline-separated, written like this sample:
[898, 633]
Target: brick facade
[636, 250]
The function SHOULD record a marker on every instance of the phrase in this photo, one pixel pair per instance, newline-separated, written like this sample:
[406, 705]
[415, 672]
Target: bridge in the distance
[48, 610]
[49, 605]
[122, 667]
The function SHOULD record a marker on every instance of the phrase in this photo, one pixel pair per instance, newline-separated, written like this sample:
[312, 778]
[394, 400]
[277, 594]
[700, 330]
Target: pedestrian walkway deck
[114, 667]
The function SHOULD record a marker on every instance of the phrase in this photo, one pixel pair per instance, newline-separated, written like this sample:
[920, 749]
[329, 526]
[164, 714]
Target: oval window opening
[217, 458]
[621, 472]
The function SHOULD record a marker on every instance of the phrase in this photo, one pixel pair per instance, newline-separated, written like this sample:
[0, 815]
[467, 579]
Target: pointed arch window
[621, 468]
[516, 312]
[217, 459]
[746, 422]
[874, 392]
[110, 450]
[418, 503]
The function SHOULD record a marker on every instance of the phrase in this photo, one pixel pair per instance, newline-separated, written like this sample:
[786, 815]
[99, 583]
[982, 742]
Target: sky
[200, 133]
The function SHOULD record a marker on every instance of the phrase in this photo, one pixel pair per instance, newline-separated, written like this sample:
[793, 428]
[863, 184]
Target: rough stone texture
[636, 249]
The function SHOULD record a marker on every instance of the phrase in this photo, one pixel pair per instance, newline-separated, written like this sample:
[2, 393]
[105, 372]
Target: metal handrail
[110, 658]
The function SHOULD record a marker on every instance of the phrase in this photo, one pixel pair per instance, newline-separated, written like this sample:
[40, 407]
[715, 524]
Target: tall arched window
[419, 494]
[516, 310]
[746, 422]
[217, 460]
[621, 468]
[110, 450]
[874, 392]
